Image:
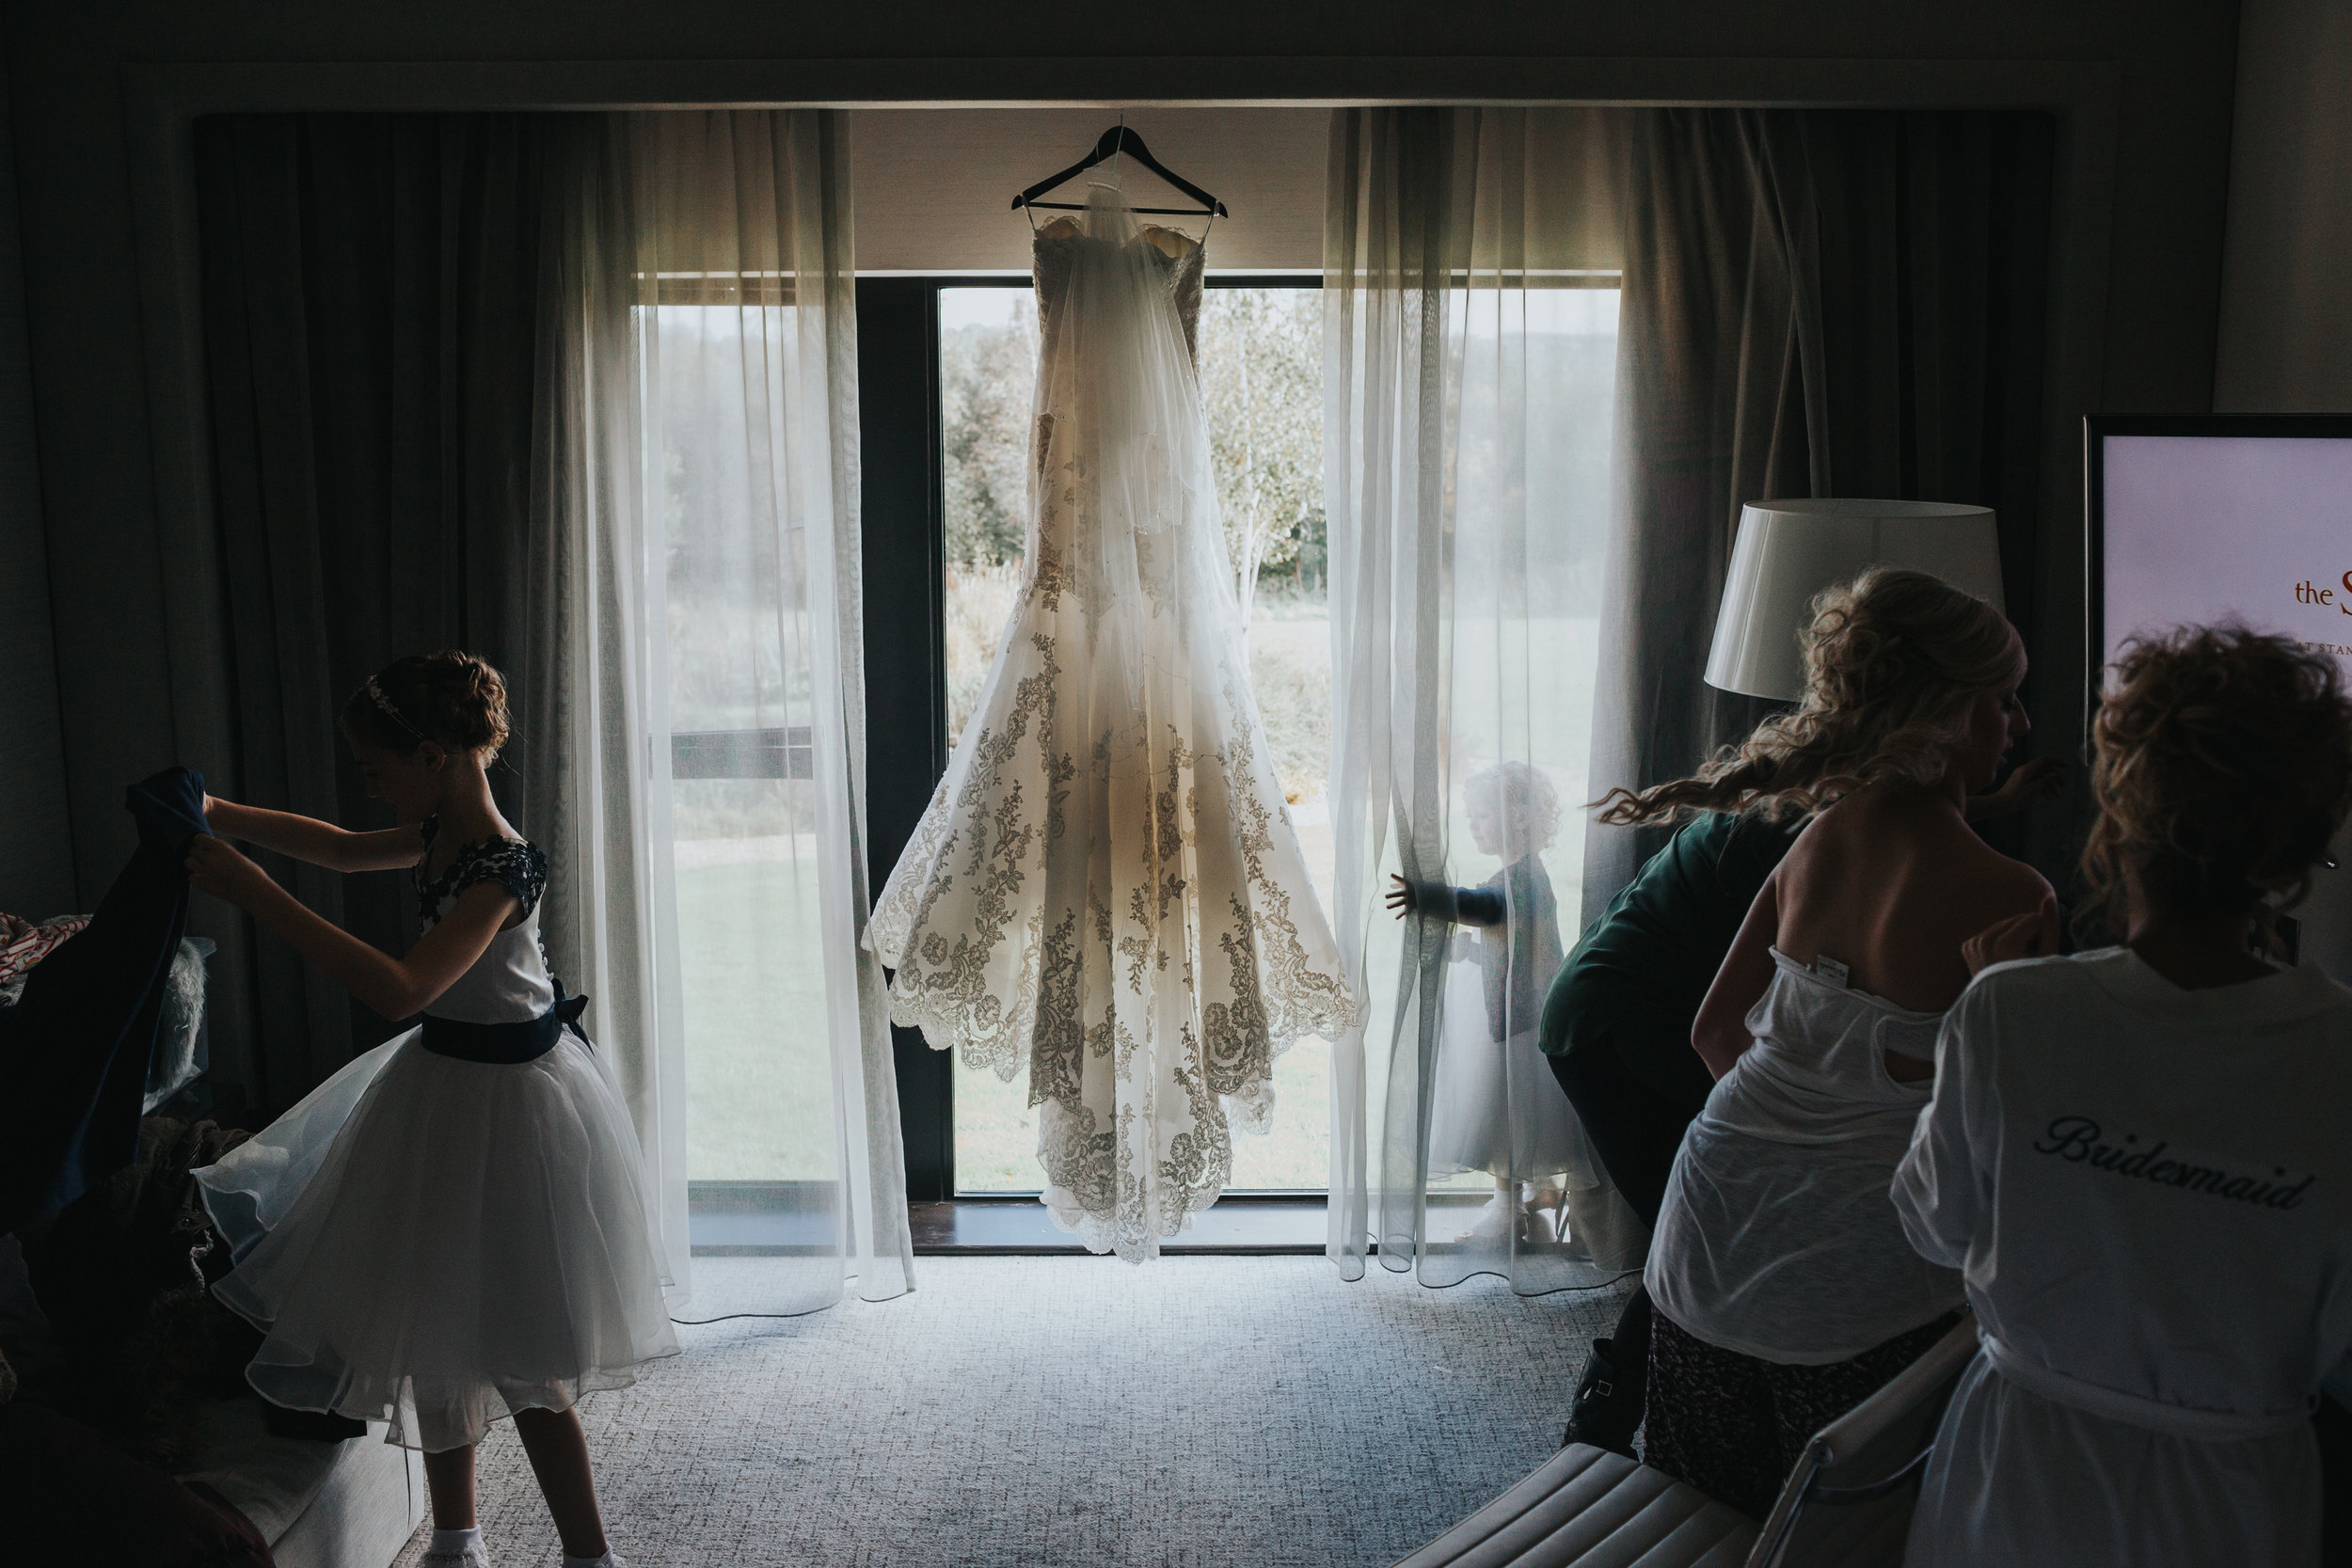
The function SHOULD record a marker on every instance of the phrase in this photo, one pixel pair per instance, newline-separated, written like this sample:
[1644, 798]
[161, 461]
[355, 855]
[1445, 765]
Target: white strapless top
[1779, 1238]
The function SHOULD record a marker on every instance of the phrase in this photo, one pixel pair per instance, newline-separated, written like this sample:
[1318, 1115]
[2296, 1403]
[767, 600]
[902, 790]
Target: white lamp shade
[1790, 550]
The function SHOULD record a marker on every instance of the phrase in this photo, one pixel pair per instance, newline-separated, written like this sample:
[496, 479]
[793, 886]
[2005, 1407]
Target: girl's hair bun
[452, 698]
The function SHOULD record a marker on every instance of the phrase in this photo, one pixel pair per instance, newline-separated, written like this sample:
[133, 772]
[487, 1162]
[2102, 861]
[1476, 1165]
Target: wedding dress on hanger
[1106, 888]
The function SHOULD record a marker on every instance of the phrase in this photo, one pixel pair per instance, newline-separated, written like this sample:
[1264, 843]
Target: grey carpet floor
[1191, 1413]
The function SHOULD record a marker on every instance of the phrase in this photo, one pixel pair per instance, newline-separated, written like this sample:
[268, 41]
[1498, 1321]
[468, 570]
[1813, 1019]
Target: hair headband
[375, 694]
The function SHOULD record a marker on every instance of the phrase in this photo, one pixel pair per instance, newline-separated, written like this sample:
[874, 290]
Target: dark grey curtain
[1824, 303]
[371, 285]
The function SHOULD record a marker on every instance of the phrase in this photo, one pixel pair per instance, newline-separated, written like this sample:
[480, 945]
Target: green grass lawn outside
[757, 1073]
[758, 1069]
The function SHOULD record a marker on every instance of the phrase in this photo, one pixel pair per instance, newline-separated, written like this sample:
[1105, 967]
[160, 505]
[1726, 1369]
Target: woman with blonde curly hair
[1784, 1288]
[2136, 1156]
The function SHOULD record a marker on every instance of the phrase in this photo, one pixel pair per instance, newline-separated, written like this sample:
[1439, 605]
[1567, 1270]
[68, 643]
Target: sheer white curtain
[1470, 316]
[701, 529]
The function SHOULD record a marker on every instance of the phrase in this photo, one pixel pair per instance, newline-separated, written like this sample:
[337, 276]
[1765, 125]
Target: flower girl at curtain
[1495, 1107]
[455, 1226]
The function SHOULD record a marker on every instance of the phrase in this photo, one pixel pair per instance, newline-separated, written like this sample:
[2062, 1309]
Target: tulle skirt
[438, 1244]
[1496, 1106]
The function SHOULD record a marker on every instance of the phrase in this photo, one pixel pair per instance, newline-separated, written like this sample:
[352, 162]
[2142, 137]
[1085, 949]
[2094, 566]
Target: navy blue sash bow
[505, 1044]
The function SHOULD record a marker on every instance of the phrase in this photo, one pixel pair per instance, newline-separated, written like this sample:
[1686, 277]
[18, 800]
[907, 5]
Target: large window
[947, 370]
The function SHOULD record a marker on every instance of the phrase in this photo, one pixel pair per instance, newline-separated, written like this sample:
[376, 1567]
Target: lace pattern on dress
[514, 863]
[1105, 890]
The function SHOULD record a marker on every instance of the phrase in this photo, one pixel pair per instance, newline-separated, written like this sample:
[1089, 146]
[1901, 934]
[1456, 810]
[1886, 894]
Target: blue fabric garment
[74, 1049]
[1517, 964]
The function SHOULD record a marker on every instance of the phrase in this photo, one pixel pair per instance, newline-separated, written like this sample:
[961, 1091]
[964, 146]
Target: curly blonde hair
[1892, 662]
[2221, 765]
[1525, 805]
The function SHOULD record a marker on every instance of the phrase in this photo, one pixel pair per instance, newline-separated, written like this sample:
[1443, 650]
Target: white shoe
[1493, 1221]
[475, 1556]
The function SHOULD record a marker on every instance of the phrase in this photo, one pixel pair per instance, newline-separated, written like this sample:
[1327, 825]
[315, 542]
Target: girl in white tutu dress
[456, 1226]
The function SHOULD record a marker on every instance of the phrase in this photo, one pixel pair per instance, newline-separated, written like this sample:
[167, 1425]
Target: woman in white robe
[2137, 1155]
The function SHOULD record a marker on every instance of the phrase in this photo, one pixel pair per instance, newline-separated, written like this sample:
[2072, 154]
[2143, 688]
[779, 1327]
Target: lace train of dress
[1105, 887]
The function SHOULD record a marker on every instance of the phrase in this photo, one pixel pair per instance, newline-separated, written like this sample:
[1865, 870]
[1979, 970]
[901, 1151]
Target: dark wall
[115, 601]
[36, 849]
[2285, 331]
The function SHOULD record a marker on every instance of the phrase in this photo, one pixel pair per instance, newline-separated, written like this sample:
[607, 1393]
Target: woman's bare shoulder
[1868, 826]
[1908, 845]
[1894, 892]
[1961, 885]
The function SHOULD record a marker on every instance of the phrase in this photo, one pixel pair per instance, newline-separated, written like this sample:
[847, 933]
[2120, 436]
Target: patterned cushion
[1592, 1509]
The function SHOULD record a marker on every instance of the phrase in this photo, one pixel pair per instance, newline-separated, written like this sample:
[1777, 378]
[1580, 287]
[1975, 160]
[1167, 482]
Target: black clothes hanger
[1114, 141]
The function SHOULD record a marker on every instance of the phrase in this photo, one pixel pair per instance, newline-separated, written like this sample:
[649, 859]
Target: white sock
[456, 1541]
[607, 1560]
